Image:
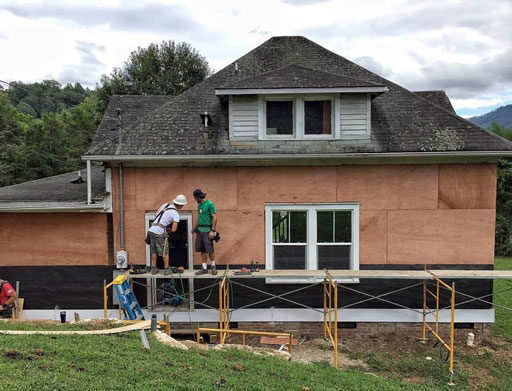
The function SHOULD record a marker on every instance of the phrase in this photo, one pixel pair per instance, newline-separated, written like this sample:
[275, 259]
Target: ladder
[127, 299]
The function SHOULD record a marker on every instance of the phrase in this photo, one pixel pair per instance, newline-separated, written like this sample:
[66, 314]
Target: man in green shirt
[205, 231]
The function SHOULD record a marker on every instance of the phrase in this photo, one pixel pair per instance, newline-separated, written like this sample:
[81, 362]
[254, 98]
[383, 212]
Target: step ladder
[127, 299]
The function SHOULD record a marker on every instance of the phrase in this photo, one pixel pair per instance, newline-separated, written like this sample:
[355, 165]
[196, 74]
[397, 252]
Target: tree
[166, 69]
[13, 127]
[503, 240]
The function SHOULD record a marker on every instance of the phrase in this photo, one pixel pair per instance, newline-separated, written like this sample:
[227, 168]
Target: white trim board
[283, 315]
[320, 90]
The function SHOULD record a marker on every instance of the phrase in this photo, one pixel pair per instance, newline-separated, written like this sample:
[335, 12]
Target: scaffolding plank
[343, 274]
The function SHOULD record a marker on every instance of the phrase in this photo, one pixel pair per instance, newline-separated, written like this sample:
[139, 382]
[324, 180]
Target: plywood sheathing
[441, 236]
[467, 186]
[404, 215]
[57, 239]
[389, 187]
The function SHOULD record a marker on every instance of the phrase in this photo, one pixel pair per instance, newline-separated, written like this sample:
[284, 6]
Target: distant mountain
[502, 116]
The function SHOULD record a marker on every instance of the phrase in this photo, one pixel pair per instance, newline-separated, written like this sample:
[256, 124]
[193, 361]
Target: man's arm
[12, 296]
[173, 228]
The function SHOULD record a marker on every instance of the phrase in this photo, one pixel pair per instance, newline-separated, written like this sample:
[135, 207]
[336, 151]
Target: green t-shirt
[204, 215]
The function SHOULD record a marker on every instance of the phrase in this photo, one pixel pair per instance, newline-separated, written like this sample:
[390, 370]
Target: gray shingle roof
[438, 97]
[56, 188]
[131, 107]
[295, 76]
[402, 121]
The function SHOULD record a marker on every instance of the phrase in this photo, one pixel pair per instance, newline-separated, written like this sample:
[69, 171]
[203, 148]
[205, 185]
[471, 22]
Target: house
[313, 162]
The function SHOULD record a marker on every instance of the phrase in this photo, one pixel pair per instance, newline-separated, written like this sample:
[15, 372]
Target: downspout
[121, 199]
[121, 208]
[89, 183]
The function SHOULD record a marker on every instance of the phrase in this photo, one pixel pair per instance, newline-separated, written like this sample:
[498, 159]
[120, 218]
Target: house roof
[131, 108]
[438, 97]
[54, 191]
[295, 76]
[402, 121]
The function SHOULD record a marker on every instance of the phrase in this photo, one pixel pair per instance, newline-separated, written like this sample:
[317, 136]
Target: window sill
[311, 280]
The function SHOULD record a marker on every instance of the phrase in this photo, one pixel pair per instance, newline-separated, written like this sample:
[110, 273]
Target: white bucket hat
[180, 199]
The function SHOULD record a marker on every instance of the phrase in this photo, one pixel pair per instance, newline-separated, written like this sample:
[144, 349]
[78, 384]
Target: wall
[53, 239]
[409, 214]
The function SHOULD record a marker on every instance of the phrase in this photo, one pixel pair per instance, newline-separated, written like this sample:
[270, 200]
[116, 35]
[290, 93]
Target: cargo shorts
[158, 244]
[203, 244]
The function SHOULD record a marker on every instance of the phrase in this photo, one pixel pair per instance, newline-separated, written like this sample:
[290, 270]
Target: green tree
[503, 241]
[13, 128]
[166, 69]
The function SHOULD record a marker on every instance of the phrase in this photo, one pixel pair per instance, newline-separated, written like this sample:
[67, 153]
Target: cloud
[303, 2]
[151, 17]
[3, 36]
[89, 68]
[373, 65]
[489, 18]
[257, 30]
[465, 80]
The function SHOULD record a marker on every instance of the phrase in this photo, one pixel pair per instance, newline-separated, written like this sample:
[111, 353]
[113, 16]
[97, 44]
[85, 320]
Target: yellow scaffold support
[330, 307]
[435, 330]
[223, 310]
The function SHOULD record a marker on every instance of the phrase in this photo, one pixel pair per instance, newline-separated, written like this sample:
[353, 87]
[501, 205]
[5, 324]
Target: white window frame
[151, 285]
[298, 117]
[308, 98]
[312, 243]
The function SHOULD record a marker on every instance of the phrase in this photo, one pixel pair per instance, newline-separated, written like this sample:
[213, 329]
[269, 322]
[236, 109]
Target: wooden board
[343, 274]
[277, 340]
[145, 324]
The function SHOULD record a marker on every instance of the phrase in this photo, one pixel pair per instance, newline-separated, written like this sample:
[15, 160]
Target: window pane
[289, 227]
[279, 117]
[325, 227]
[317, 117]
[343, 226]
[289, 257]
[298, 227]
[334, 257]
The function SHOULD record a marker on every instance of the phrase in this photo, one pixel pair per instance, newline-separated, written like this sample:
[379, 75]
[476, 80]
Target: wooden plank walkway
[345, 274]
[145, 324]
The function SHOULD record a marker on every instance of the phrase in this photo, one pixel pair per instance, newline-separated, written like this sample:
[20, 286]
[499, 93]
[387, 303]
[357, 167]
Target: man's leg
[212, 263]
[204, 256]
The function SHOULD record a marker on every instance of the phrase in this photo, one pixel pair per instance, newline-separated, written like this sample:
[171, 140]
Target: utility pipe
[89, 183]
[121, 208]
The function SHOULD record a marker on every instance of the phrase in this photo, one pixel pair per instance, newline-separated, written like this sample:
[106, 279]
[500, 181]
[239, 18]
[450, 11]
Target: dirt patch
[320, 350]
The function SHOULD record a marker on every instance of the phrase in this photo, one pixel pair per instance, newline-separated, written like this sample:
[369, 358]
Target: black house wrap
[81, 287]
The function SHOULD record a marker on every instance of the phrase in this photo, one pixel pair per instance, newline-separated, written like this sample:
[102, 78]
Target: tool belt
[204, 226]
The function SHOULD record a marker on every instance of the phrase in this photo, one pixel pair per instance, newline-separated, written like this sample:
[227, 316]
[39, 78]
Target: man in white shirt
[166, 221]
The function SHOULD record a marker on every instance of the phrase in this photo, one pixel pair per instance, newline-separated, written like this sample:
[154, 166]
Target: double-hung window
[297, 117]
[312, 236]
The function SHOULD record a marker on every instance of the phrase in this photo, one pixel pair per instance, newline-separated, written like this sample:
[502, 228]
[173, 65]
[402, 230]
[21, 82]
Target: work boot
[214, 270]
[154, 270]
[167, 271]
[201, 272]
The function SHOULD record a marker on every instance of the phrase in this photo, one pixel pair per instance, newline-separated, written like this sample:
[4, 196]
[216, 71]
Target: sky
[462, 47]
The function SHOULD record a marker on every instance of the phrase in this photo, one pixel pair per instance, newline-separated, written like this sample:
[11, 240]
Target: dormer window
[279, 117]
[297, 103]
[297, 116]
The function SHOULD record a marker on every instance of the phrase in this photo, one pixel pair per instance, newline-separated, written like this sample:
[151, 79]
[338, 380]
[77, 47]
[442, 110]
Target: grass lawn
[118, 362]
[503, 325]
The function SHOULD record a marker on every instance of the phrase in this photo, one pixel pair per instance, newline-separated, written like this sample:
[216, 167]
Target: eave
[302, 159]
[50, 207]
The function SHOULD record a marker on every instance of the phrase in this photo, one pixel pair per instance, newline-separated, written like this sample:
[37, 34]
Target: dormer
[297, 103]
